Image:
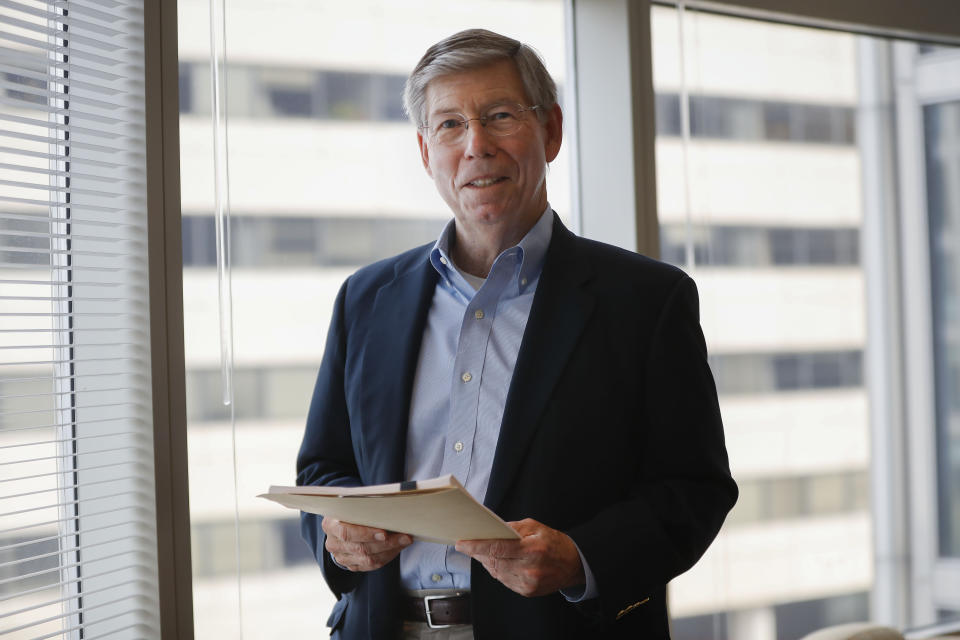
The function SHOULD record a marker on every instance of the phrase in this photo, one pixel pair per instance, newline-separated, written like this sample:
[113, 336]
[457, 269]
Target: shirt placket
[475, 331]
[468, 369]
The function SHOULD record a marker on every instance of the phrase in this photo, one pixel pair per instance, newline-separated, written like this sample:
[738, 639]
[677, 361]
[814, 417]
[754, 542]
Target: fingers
[542, 561]
[362, 548]
[490, 548]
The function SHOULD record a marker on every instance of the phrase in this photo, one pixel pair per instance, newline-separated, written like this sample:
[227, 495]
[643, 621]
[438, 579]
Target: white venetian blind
[77, 523]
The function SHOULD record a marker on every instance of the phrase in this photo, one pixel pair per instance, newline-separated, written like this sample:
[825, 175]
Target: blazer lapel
[561, 308]
[389, 365]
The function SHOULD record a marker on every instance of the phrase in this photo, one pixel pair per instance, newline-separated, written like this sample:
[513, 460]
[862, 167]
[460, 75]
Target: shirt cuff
[583, 592]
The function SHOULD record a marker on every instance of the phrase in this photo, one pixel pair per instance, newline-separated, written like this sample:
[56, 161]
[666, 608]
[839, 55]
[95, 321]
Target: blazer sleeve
[683, 488]
[326, 454]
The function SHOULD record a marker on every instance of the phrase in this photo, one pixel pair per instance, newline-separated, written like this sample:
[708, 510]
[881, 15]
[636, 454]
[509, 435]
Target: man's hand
[360, 548]
[542, 561]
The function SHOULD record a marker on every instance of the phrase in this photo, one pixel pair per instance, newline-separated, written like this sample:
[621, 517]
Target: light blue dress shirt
[470, 346]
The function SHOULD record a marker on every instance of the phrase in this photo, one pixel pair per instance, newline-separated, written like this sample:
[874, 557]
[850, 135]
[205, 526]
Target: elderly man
[564, 383]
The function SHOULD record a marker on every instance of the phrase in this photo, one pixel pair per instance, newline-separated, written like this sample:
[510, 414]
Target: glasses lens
[447, 128]
[503, 119]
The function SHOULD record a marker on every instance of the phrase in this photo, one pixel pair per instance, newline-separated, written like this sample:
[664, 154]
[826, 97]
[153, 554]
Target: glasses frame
[465, 122]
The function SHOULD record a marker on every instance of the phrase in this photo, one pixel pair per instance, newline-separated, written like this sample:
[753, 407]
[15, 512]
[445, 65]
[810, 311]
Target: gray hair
[473, 49]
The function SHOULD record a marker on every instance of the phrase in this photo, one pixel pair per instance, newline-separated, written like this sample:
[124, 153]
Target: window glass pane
[762, 204]
[942, 143]
[325, 177]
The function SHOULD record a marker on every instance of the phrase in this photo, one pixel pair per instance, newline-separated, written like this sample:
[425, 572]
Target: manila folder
[435, 510]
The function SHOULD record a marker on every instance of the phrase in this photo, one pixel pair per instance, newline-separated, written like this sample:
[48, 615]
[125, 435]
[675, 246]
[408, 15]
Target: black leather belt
[438, 611]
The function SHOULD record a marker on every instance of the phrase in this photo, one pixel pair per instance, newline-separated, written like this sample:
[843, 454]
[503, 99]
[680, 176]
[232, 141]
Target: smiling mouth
[485, 182]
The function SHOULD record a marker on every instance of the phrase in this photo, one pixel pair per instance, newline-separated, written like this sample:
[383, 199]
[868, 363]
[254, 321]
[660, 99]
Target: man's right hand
[360, 548]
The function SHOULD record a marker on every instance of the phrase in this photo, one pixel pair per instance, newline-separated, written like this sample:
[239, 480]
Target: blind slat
[61, 18]
[18, 60]
[59, 220]
[50, 474]
[40, 443]
[42, 572]
[59, 34]
[67, 534]
[62, 95]
[55, 172]
[71, 268]
[26, 153]
[53, 283]
[73, 206]
[61, 111]
[34, 623]
[43, 187]
[49, 603]
[60, 457]
[68, 503]
[26, 592]
[63, 551]
[61, 521]
[87, 625]
[43, 75]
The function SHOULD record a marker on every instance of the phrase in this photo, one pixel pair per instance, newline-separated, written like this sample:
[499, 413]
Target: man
[564, 382]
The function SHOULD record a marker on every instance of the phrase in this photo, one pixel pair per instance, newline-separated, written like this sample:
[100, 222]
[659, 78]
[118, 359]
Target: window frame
[175, 581]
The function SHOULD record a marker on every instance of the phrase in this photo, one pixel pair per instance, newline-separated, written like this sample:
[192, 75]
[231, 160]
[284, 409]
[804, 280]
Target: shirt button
[458, 447]
[466, 377]
[443, 260]
[523, 282]
[478, 314]
[436, 577]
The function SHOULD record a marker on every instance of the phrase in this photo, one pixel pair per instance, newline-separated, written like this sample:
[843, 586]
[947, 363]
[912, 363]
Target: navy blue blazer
[611, 433]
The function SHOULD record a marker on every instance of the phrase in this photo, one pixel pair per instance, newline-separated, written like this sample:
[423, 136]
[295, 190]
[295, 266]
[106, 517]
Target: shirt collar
[529, 253]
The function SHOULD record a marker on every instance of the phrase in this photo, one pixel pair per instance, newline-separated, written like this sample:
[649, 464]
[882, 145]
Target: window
[325, 177]
[762, 201]
[942, 143]
[78, 519]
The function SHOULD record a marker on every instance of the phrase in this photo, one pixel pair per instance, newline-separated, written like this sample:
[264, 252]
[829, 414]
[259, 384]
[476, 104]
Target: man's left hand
[542, 561]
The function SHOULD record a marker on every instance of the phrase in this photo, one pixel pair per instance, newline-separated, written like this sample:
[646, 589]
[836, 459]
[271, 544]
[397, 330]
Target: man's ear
[424, 153]
[554, 129]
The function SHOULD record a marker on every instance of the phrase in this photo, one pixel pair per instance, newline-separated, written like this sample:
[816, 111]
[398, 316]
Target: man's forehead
[475, 88]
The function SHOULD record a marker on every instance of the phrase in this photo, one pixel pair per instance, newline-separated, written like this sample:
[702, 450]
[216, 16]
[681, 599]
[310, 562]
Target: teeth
[485, 182]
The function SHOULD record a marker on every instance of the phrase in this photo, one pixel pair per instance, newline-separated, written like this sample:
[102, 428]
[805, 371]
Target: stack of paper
[435, 510]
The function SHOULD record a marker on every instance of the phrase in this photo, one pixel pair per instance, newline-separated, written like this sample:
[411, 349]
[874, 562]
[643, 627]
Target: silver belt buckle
[426, 606]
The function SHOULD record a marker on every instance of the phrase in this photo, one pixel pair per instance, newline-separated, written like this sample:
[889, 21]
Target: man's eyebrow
[444, 110]
[488, 105]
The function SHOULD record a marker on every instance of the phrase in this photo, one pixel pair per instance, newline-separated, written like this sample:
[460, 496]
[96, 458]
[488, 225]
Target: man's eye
[501, 115]
[449, 123]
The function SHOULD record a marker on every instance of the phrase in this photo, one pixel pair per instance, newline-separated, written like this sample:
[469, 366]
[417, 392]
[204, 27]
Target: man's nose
[477, 141]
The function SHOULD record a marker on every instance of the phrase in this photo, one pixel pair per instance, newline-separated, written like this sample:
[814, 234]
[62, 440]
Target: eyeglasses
[498, 120]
